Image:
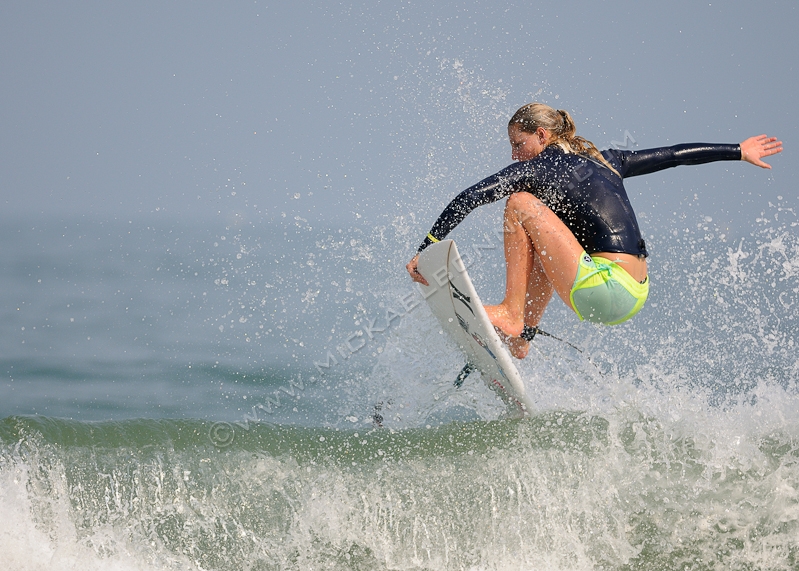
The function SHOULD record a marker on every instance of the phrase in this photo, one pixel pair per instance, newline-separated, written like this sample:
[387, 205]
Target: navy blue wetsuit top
[586, 195]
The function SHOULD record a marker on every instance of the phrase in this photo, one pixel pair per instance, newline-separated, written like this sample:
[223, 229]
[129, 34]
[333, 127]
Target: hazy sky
[343, 110]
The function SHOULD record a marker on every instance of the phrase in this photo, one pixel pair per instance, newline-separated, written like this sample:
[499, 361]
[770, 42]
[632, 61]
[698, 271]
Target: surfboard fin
[465, 372]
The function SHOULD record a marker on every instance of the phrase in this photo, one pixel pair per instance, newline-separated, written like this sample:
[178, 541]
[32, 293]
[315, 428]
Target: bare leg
[539, 293]
[520, 260]
[534, 235]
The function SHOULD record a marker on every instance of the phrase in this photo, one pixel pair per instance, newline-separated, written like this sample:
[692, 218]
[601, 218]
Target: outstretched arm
[755, 148]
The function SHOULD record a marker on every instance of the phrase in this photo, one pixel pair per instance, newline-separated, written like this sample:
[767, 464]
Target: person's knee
[522, 201]
[527, 209]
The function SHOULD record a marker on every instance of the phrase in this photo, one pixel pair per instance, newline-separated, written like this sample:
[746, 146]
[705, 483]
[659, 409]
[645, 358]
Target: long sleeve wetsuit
[586, 195]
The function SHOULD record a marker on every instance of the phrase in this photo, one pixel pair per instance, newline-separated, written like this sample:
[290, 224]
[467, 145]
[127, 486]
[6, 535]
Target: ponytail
[561, 128]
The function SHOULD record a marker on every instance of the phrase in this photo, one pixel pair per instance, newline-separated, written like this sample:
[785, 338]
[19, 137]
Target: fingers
[772, 146]
[419, 278]
[769, 145]
[755, 148]
[413, 270]
[767, 142]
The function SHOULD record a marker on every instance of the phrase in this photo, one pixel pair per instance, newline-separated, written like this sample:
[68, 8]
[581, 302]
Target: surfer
[569, 227]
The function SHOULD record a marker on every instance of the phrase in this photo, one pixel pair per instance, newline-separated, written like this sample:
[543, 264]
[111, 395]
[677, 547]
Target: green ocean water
[558, 490]
[160, 410]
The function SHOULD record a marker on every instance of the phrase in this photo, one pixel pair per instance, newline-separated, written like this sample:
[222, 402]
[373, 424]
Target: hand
[755, 148]
[413, 269]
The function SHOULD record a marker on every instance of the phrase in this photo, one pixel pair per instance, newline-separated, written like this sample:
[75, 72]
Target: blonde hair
[561, 129]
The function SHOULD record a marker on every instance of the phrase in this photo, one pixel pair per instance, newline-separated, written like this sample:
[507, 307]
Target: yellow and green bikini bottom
[603, 292]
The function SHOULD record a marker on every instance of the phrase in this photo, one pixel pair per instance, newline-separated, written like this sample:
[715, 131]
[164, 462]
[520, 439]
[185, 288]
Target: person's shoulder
[616, 157]
[616, 154]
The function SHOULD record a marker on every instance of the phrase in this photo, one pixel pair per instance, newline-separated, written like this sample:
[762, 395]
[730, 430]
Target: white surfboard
[454, 301]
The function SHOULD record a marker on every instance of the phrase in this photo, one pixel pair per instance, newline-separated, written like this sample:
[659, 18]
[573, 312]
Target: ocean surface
[259, 396]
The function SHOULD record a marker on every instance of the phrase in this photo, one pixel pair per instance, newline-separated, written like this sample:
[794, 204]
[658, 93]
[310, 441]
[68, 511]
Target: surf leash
[529, 333]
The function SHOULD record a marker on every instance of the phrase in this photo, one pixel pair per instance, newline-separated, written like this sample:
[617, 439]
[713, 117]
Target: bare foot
[501, 318]
[518, 347]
